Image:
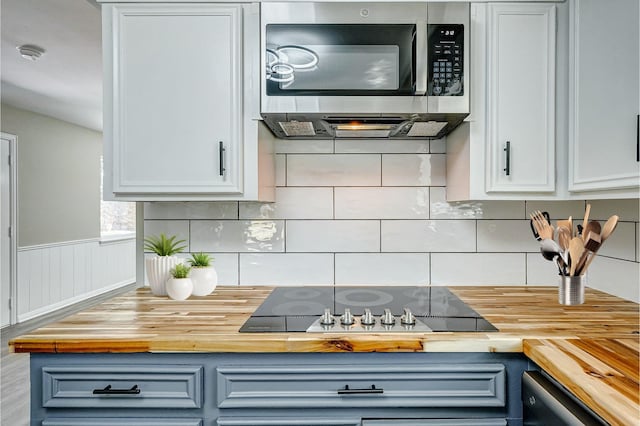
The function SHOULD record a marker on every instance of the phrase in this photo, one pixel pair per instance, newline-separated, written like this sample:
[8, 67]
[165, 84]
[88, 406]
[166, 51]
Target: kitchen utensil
[607, 230]
[566, 223]
[551, 251]
[542, 224]
[591, 246]
[587, 210]
[534, 226]
[564, 237]
[592, 227]
[571, 290]
[576, 248]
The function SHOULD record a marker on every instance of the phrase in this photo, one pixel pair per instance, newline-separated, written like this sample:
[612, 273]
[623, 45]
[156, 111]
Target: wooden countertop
[592, 349]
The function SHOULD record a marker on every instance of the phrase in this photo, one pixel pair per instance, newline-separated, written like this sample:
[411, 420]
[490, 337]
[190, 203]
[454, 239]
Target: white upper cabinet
[506, 150]
[180, 83]
[521, 98]
[604, 92]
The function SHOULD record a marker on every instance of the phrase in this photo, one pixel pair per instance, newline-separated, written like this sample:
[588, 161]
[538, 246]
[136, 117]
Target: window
[117, 218]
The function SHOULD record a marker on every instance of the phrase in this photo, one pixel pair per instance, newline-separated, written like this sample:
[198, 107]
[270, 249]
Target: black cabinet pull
[638, 137]
[372, 389]
[507, 150]
[221, 151]
[108, 390]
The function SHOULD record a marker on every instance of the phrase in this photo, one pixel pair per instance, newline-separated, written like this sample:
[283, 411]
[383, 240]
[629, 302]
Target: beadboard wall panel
[374, 212]
[51, 276]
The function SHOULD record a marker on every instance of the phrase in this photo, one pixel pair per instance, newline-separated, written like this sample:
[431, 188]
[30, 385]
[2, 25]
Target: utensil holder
[571, 290]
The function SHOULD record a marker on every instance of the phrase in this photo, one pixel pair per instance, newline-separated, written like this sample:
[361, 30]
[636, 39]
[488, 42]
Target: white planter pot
[204, 280]
[158, 268]
[179, 288]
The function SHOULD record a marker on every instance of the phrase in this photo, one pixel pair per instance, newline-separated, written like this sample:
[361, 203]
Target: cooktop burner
[368, 309]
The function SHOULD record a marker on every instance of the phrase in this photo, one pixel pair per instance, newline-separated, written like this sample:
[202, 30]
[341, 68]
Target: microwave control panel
[446, 56]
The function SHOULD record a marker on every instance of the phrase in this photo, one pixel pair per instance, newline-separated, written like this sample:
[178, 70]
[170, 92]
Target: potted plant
[180, 286]
[203, 275]
[159, 267]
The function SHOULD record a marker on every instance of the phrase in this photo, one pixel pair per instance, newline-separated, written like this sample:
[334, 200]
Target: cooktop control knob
[327, 318]
[387, 318]
[408, 318]
[347, 318]
[367, 318]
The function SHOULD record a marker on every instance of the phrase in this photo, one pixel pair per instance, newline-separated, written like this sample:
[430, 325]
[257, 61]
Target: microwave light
[364, 126]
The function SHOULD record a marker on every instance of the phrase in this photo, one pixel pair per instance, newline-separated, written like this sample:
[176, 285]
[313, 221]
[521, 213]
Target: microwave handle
[422, 65]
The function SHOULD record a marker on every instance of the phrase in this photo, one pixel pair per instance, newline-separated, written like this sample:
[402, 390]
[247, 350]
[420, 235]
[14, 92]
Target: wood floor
[14, 374]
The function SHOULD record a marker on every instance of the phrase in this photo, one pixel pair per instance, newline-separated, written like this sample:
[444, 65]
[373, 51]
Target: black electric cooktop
[295, 309]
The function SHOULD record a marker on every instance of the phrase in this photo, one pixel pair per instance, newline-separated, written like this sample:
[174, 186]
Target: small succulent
[180, 271]
[200, 260]
[163, 246]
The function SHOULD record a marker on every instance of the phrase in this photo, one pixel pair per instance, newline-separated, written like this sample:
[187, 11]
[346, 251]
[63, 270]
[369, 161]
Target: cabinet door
[521, 98]
[174, 72]
[604, 141]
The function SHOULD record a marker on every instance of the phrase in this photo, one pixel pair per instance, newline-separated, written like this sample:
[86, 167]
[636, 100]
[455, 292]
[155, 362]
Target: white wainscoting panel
[51, 276]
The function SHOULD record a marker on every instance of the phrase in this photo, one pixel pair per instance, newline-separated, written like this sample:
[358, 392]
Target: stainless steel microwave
[364, 69]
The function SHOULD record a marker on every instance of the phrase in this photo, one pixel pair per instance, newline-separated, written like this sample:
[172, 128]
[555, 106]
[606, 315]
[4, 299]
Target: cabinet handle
[507, 150]
[372, 389]
[638, 137]
[221, 151]
[108, 390]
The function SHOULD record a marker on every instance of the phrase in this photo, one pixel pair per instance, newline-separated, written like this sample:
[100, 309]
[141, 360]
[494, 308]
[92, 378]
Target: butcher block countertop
[592, 349]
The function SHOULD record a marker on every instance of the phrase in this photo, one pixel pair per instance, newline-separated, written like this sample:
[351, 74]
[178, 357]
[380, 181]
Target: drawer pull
[348, 391]
[108, 390]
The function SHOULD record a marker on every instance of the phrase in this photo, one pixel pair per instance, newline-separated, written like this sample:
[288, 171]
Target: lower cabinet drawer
[420, 385]
[146, 386]
[277, 421]
[436, 422]
[121, 422]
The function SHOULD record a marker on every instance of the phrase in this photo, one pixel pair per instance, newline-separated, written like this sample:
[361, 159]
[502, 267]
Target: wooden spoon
[564, 237]
[576, 248]
[607, 230]
[587, 210]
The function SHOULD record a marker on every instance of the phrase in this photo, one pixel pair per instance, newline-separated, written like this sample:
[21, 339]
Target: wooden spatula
[576, 249]
[607, 230]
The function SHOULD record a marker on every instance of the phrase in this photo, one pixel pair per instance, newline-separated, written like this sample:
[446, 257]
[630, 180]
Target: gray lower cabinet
[266, 389]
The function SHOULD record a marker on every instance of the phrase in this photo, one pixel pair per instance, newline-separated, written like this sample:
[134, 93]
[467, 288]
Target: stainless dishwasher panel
[547, 403]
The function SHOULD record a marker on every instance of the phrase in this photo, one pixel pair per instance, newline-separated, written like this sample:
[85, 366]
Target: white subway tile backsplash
[191, 210]
[310, 146]
[478, 269]
[237, 236]
[558, 209]
[628, 210]
[382, 268]
[286, 269]
[506, 236]
[333, 170]
[428, 236]
[177, 228]
[413, 169]
[621, 244]
[382, 203]
[441, 209]
[292, 203]
[333, 236]
[281, 170]
[541, 271]
[380, 146]
[619, 277]
[438, 146]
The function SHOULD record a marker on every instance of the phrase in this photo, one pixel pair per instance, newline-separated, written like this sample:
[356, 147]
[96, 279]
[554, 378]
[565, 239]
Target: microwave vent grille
[426, 128]
[297, 128]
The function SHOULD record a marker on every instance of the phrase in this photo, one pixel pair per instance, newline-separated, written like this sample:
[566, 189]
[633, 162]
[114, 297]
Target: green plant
[163, 246]
[200, 260]
[180, 271]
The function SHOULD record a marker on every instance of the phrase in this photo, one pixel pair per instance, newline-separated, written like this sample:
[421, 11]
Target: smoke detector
[30, 51]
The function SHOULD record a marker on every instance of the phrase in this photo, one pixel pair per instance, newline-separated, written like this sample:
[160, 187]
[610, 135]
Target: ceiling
[66, 82]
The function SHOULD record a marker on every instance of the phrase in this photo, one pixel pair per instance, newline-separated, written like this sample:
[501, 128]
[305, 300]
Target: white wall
[58, 178]
[374, 212]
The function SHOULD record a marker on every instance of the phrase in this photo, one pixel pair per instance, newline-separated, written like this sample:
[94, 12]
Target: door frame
[13, 222]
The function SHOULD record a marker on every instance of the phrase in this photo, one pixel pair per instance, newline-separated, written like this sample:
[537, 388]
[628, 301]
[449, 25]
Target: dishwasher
[547, 403]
